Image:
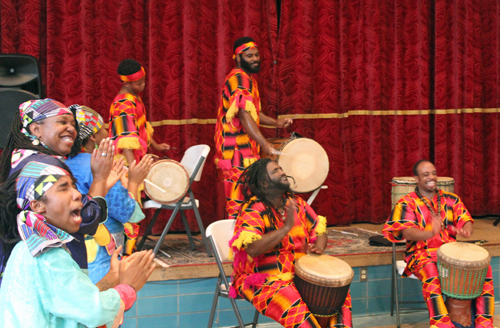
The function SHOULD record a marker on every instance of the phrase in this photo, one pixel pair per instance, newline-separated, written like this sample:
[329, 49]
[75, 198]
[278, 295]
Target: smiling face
[277, 176]
[61, 205]
[427, 177]
[58, 133]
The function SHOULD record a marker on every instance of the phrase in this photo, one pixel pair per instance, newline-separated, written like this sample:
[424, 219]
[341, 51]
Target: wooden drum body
[402, 186]
[304, 159]
[170, 176]
[323, 283]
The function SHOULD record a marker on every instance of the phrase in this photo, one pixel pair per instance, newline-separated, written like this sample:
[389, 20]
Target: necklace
[431, 209]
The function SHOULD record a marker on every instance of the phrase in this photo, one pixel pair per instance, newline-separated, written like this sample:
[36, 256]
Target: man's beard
[280, 185]
[247, 67]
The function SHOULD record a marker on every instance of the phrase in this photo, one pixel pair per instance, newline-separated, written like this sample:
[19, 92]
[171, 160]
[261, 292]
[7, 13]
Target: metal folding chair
[193, 161]
[219, 233]
[398, 268]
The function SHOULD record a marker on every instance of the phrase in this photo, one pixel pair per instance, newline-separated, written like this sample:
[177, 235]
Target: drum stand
[314, 194]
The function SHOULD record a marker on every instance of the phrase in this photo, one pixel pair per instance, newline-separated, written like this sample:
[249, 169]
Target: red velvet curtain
[365, 78]
[467, 86]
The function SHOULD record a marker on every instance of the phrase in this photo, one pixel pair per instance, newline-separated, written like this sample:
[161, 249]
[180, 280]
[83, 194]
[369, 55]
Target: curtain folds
[379, 84]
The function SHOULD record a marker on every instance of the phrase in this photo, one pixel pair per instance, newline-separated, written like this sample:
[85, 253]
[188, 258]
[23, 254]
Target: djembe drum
[402, 186]
[302, 158]
[323, 283]
[462, 271]
[171, 181]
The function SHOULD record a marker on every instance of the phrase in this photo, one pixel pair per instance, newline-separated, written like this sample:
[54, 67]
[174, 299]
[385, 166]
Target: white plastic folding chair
[193, 161]
[219, 233]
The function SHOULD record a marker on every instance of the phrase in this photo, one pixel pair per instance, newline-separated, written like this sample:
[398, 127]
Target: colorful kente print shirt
[233, 146]
[411, 212]
[278, 263]
[128, 126]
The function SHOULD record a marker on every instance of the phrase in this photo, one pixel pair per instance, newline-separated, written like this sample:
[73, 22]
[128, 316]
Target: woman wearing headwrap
[43, 286]
[45, 131]
[129, 128]
[122, 207]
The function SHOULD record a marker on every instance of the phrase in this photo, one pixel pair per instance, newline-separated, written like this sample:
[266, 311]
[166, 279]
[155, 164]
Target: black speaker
[9, 109]
[19, 71]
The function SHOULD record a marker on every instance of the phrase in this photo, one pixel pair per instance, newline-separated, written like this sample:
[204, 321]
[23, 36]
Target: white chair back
[221, 232]
[191, 157]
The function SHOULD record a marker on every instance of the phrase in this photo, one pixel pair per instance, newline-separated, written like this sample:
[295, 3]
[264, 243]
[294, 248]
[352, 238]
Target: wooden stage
[354, 254]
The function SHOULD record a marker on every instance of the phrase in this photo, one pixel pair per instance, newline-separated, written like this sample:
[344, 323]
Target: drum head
[463, 253]
[324, 270]
[307, 162]
[170, 176]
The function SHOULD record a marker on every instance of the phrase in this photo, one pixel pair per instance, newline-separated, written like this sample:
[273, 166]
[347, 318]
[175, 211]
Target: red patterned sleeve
[402, 217]
[249, 227]
[460, 214]
[241, 98]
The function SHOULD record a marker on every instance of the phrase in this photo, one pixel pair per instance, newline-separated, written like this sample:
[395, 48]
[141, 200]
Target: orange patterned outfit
[234, 150]
[420, 256]
[129, 129]
[267, 280]
[128, 126]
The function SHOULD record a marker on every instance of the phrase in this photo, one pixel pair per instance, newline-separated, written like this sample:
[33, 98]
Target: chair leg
[148, 229]
[255, 319]
[188, 231]
[200, 223]
[237, 312]
[214, 303]
[396, 296]
[167, 227]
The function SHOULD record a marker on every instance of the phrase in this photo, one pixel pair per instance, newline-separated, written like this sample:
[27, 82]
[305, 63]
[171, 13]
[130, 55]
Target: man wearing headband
[129, 129]
[44, 287]
[237, 134]
[273, 230]
[122, 207]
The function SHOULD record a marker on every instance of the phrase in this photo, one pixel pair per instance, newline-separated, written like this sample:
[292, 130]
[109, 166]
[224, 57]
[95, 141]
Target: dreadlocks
[252, 180]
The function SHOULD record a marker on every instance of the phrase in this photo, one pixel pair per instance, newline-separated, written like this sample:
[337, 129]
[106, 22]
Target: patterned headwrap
[36, 110]
[244, 47]
[134, 77]
[34, 180]
[89, 121]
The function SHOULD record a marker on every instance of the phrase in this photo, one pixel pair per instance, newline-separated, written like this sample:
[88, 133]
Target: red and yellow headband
[244, 47]
[134, 77]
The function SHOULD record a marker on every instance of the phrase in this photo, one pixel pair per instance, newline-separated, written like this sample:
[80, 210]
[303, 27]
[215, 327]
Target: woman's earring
[35, 141]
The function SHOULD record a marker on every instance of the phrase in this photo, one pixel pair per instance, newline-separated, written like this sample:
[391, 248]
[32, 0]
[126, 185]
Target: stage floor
[184, 263]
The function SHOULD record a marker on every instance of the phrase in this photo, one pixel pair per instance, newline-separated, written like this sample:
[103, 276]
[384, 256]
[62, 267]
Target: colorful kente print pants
[234, 196]
[427, 272]
[281, 301]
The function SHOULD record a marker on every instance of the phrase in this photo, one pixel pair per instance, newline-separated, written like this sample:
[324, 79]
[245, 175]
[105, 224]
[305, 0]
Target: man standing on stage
[237, 134]
[274, 229]
[428, 218]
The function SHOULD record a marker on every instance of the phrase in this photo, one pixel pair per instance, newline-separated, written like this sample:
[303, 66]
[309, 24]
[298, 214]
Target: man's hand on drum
[465, 231]
[160, 146]
[314, 248]
[290, 211]
[284, 122]
[268, 149]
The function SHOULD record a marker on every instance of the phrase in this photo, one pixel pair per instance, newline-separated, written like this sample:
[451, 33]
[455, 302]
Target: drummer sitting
[428, 218]
[273, 230]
